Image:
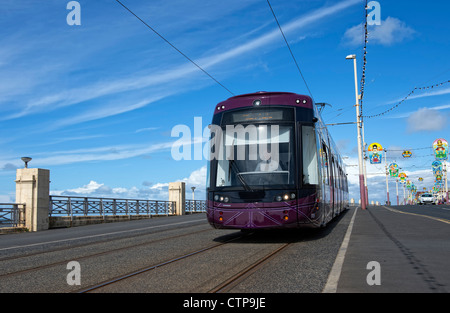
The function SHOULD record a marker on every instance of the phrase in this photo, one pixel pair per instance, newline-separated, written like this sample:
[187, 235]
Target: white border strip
[333, 278]
[443, 220]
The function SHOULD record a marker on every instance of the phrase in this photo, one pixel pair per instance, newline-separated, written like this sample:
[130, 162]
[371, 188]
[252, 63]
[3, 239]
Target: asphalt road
[183, 254]
[37, 262]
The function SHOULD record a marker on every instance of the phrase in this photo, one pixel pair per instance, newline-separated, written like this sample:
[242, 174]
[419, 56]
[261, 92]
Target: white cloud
[87, 189]
[426, 119]
[197, 178]
[157, 191]
[7, 199]
[391, 31]
[432, 93]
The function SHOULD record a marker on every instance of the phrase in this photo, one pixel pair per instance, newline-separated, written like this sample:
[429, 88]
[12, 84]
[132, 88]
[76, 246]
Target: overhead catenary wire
[290, 50]
[178, 50]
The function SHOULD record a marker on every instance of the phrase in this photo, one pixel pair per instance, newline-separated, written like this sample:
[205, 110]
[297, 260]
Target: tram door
[333, 185]
[326, 186]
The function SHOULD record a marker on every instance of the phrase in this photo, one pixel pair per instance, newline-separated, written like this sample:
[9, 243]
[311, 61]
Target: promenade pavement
[397, 249]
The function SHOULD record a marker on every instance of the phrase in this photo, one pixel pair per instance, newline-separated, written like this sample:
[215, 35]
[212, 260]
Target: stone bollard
[32, 189]
[177, 193]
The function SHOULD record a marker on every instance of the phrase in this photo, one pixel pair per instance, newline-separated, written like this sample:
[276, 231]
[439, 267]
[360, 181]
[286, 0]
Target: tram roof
[264, 98]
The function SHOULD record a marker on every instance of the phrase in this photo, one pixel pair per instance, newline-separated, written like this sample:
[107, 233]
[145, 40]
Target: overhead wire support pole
[362, 188]
[178, 50]
[446, 184]
[396, 187]
[388, 202]
[364, 145]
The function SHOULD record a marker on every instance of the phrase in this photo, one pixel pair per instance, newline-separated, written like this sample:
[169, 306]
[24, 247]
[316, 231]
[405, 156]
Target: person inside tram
[268, 164]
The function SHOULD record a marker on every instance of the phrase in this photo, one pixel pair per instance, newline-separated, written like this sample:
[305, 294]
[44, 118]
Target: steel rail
[243, 274]
[152, 267]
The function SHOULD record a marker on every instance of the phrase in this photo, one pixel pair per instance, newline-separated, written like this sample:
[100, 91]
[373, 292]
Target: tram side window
[310, 164]
[324, 158]
[339, 177]
[333, 172]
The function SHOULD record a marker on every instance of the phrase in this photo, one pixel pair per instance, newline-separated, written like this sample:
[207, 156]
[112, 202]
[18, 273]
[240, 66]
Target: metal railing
[87, 206]
[12, 215]
[195, 206]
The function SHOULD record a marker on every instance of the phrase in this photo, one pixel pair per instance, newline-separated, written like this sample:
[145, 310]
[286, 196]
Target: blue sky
[96, 103]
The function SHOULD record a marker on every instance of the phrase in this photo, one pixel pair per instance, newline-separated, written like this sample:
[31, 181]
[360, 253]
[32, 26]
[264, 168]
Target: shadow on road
[282, 235]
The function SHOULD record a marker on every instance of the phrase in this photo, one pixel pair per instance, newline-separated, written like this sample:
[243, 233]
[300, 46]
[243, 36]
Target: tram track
[223, 287]
[155, 266]
[249, 270]
[192, 260]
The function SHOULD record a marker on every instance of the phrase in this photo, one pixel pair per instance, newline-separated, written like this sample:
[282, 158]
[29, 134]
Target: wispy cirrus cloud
[426, 119]
[102, 153]
[162, 80]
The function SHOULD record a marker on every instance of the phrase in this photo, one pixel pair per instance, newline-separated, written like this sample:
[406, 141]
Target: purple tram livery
[273, 164]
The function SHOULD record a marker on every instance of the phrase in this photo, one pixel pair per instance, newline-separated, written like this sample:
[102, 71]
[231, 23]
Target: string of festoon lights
[406, 98]
[363, 75]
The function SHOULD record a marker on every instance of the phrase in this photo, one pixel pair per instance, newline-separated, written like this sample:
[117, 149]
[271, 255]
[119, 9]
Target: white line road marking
[333, 278]
[99, 235]
[443, 220]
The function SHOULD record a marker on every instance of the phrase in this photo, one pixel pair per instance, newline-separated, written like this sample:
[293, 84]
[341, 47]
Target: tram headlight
[220, 198]
[257, 102]
[285, 196]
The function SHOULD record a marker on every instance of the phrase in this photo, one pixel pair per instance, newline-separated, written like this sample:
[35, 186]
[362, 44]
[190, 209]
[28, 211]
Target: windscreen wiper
[236, 170]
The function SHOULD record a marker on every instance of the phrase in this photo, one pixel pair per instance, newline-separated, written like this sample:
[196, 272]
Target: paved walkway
[394, 251]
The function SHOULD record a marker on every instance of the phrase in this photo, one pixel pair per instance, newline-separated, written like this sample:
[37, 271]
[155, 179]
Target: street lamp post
[362, 187]
[396, 186]
[446, 184]
[194, 207]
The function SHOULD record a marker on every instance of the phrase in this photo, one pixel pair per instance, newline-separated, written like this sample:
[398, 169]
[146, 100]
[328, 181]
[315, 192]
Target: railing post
[69, 210]
[14, 214]
[102, 211]
[85, 206]
[50, 206]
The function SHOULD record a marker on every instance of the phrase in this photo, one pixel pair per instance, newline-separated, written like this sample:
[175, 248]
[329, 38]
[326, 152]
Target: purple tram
[273, 164]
